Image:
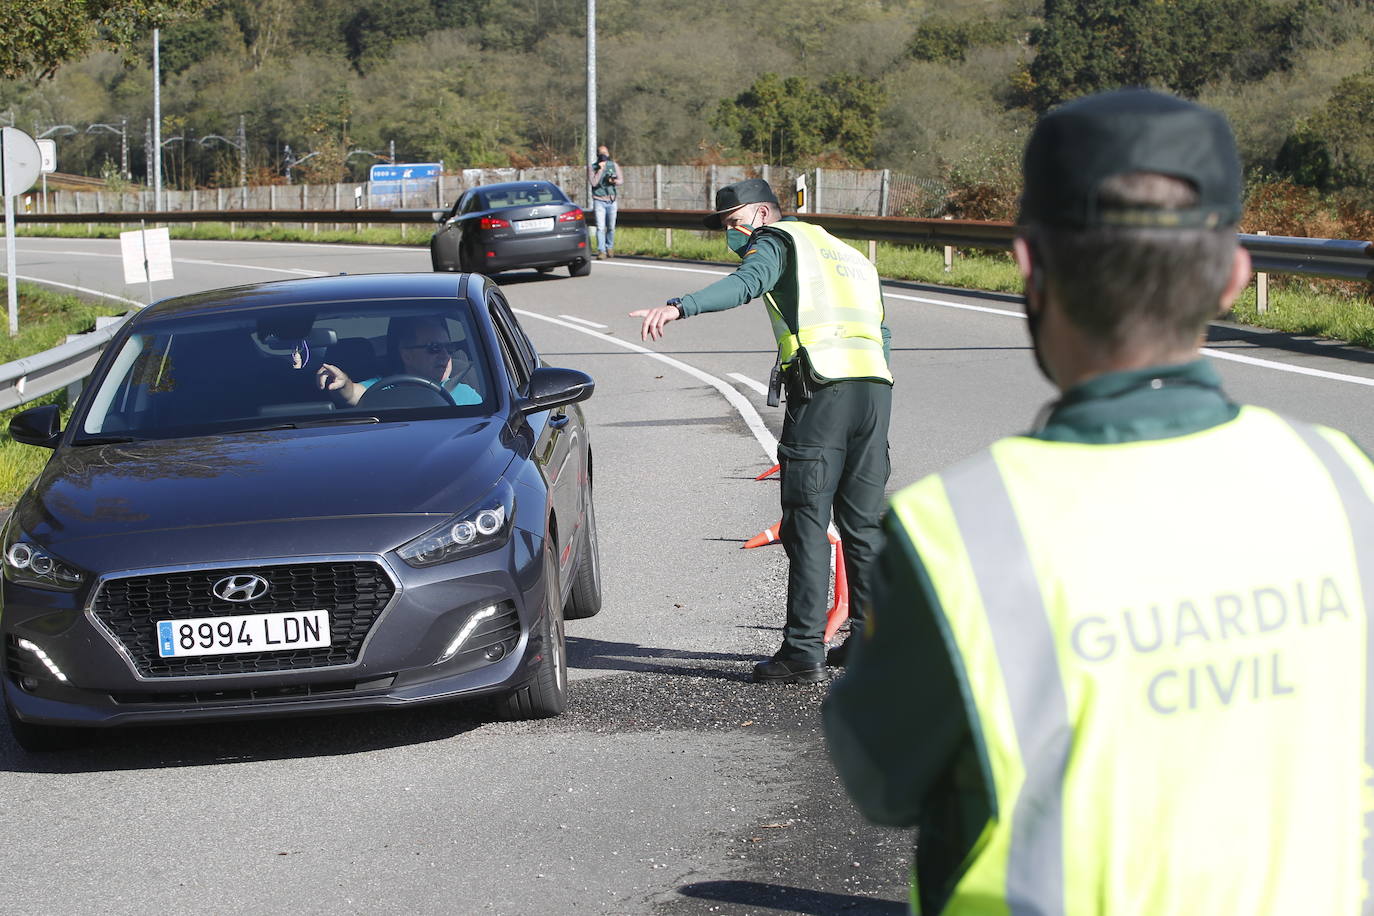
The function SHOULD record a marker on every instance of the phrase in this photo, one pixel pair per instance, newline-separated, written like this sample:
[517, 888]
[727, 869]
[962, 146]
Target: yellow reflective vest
[1164, 648]
[839, 308]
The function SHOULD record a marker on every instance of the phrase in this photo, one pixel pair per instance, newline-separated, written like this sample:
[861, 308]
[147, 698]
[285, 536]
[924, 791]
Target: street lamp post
[157, 121]
[591, 94]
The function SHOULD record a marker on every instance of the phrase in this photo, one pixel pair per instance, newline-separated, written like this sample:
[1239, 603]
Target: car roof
[334, 290]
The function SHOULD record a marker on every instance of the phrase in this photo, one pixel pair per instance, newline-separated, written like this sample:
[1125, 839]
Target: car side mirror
[38, 426]
[551, 386]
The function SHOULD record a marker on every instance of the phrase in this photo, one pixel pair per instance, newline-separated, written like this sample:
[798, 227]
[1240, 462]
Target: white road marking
[745, 380]
[295, 271]
[80, 289]
[685, 270]
[738, 401]
[590, 324]
[955, 305]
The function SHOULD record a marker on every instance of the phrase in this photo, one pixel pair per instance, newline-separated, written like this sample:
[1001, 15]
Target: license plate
[242, 633]
[534, 225]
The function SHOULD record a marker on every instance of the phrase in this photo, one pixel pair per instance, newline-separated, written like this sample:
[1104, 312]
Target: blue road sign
[392, 184]
[405, 171]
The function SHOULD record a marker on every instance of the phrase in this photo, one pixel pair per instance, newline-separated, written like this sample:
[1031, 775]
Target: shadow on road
[784, 899]
[154, 747]
[604, 655]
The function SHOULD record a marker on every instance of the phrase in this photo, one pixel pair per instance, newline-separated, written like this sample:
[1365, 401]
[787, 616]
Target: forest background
[936, 89]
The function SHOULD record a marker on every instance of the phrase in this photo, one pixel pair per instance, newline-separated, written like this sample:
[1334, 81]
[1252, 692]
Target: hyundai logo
[240, 588]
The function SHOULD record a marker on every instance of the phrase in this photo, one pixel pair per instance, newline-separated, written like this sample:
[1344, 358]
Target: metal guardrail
[34, 376]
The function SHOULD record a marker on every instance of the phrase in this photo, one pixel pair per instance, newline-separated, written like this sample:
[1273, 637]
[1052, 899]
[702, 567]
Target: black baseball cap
[1079, 144]
[748, 191]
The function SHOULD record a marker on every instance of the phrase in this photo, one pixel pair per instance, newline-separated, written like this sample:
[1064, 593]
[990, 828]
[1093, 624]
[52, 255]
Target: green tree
[1334, 148]
[1087, 46]
[790, 120]
[38, 37]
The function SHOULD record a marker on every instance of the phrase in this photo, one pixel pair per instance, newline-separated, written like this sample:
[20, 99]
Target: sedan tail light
[492, 222]
[571, 216]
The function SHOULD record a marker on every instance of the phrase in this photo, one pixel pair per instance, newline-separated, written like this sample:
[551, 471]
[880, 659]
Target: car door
[558, 446]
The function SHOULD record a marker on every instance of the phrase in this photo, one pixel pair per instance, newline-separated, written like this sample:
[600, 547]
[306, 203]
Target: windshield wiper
[304, 424]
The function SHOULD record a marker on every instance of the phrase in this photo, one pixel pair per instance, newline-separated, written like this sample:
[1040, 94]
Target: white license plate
[534, 225]
[242, 633]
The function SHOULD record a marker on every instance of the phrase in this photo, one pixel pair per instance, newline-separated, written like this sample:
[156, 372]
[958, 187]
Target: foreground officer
[1121, 664]
[827, 311]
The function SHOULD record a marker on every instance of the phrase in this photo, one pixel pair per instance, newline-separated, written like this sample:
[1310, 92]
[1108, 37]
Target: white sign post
[20, 161]
[147, 256]
[47, 150]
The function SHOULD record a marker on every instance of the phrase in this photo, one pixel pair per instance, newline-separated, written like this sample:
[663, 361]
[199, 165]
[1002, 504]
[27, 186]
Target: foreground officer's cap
[748, 191]
[1079, 144]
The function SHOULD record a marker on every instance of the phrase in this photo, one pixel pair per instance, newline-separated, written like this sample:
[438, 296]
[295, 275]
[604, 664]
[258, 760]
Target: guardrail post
[949, 254]
[711, 188]
[1262, 286]
[873, 252]
[658, 203]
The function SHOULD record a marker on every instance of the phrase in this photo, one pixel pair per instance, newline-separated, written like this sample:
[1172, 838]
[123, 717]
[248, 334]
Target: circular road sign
[22, 160]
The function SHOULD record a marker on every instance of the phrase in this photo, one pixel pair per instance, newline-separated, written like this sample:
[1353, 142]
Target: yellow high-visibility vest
[839, 307]
[1165, 651]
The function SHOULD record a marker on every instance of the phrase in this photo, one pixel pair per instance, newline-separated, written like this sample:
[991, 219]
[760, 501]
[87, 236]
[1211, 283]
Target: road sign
[390, 184]
[22, 160]
[47, 150]
[405, 171]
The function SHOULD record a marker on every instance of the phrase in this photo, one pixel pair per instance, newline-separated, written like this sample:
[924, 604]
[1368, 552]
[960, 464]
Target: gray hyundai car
[308, 496]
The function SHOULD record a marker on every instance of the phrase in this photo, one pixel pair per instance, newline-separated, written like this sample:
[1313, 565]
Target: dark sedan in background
[300, 497]
[498, 227]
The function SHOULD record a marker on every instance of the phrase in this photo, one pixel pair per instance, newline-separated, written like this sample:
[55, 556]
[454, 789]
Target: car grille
[354, 592]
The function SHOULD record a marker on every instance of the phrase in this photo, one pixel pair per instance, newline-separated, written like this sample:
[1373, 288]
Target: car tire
[546, 694]
[42, 739]
[582, 267]
[585, 598]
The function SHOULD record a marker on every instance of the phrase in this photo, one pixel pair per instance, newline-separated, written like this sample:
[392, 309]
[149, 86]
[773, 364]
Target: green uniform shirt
[896, 723]
[763, 270]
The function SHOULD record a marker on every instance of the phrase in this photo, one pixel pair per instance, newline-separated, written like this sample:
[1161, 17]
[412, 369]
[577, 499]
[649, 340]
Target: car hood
[333, 490]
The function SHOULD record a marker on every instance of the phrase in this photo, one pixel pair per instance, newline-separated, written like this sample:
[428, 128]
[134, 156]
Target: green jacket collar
[1153, 403]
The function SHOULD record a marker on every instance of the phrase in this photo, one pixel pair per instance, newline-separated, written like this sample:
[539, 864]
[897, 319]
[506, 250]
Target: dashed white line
[590, 324]
[738, 401]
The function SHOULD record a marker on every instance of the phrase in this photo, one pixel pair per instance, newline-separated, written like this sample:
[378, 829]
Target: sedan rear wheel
[546, 694]
[582, 267]
[585, 598]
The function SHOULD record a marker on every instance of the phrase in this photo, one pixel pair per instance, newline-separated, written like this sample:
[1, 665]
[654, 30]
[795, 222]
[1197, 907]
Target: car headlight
[27, 563]
[484, 526]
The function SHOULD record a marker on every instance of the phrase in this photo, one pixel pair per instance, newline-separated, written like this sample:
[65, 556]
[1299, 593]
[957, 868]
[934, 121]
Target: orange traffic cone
[839, 611]
[767, 536]
[774, 469]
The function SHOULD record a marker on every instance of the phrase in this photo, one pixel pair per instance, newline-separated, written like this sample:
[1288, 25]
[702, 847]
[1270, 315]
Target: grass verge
[45, 320]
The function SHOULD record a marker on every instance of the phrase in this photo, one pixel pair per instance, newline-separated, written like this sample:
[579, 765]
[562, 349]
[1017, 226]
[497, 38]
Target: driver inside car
[417, 346]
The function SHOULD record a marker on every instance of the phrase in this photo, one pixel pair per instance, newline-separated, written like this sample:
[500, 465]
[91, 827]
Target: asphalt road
[672, 785]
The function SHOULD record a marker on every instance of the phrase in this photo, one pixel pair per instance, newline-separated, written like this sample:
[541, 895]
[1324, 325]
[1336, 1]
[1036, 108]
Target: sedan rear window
[211, 372]
[530, 196]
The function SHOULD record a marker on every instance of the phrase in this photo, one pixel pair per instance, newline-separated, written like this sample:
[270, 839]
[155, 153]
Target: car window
[520, 358]
[523, 196]
[190, 374]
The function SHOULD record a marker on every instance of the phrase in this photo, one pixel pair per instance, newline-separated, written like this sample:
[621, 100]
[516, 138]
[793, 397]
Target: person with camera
[605, 179]
[826, 305]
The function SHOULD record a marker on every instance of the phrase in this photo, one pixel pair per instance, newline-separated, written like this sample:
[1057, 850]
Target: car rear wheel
[39, 739]
[585, 598]
[546, 694]
[582, 267]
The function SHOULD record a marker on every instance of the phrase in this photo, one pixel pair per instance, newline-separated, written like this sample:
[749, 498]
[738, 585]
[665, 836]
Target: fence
[869, 192]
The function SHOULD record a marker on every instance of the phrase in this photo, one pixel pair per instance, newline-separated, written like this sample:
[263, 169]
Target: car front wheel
[546, 694]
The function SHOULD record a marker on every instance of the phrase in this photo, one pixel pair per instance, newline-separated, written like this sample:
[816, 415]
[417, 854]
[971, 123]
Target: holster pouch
[801, 381]
[775, 385]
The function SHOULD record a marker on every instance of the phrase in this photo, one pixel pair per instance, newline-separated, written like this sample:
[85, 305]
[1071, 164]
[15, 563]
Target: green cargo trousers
[833, 454]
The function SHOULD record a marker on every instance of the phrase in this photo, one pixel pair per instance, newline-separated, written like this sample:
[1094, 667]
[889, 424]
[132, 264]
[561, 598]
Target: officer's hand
[655, 319]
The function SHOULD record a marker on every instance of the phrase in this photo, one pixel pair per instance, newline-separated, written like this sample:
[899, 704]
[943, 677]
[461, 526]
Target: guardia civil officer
[826, 306]
[1121, 664]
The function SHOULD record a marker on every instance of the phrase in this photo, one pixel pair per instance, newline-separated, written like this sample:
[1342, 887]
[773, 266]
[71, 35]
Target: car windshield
[523, 196]
[226, 370]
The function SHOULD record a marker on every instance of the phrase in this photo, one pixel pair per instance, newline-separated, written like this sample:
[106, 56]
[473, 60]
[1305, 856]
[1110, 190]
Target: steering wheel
[392, 382]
